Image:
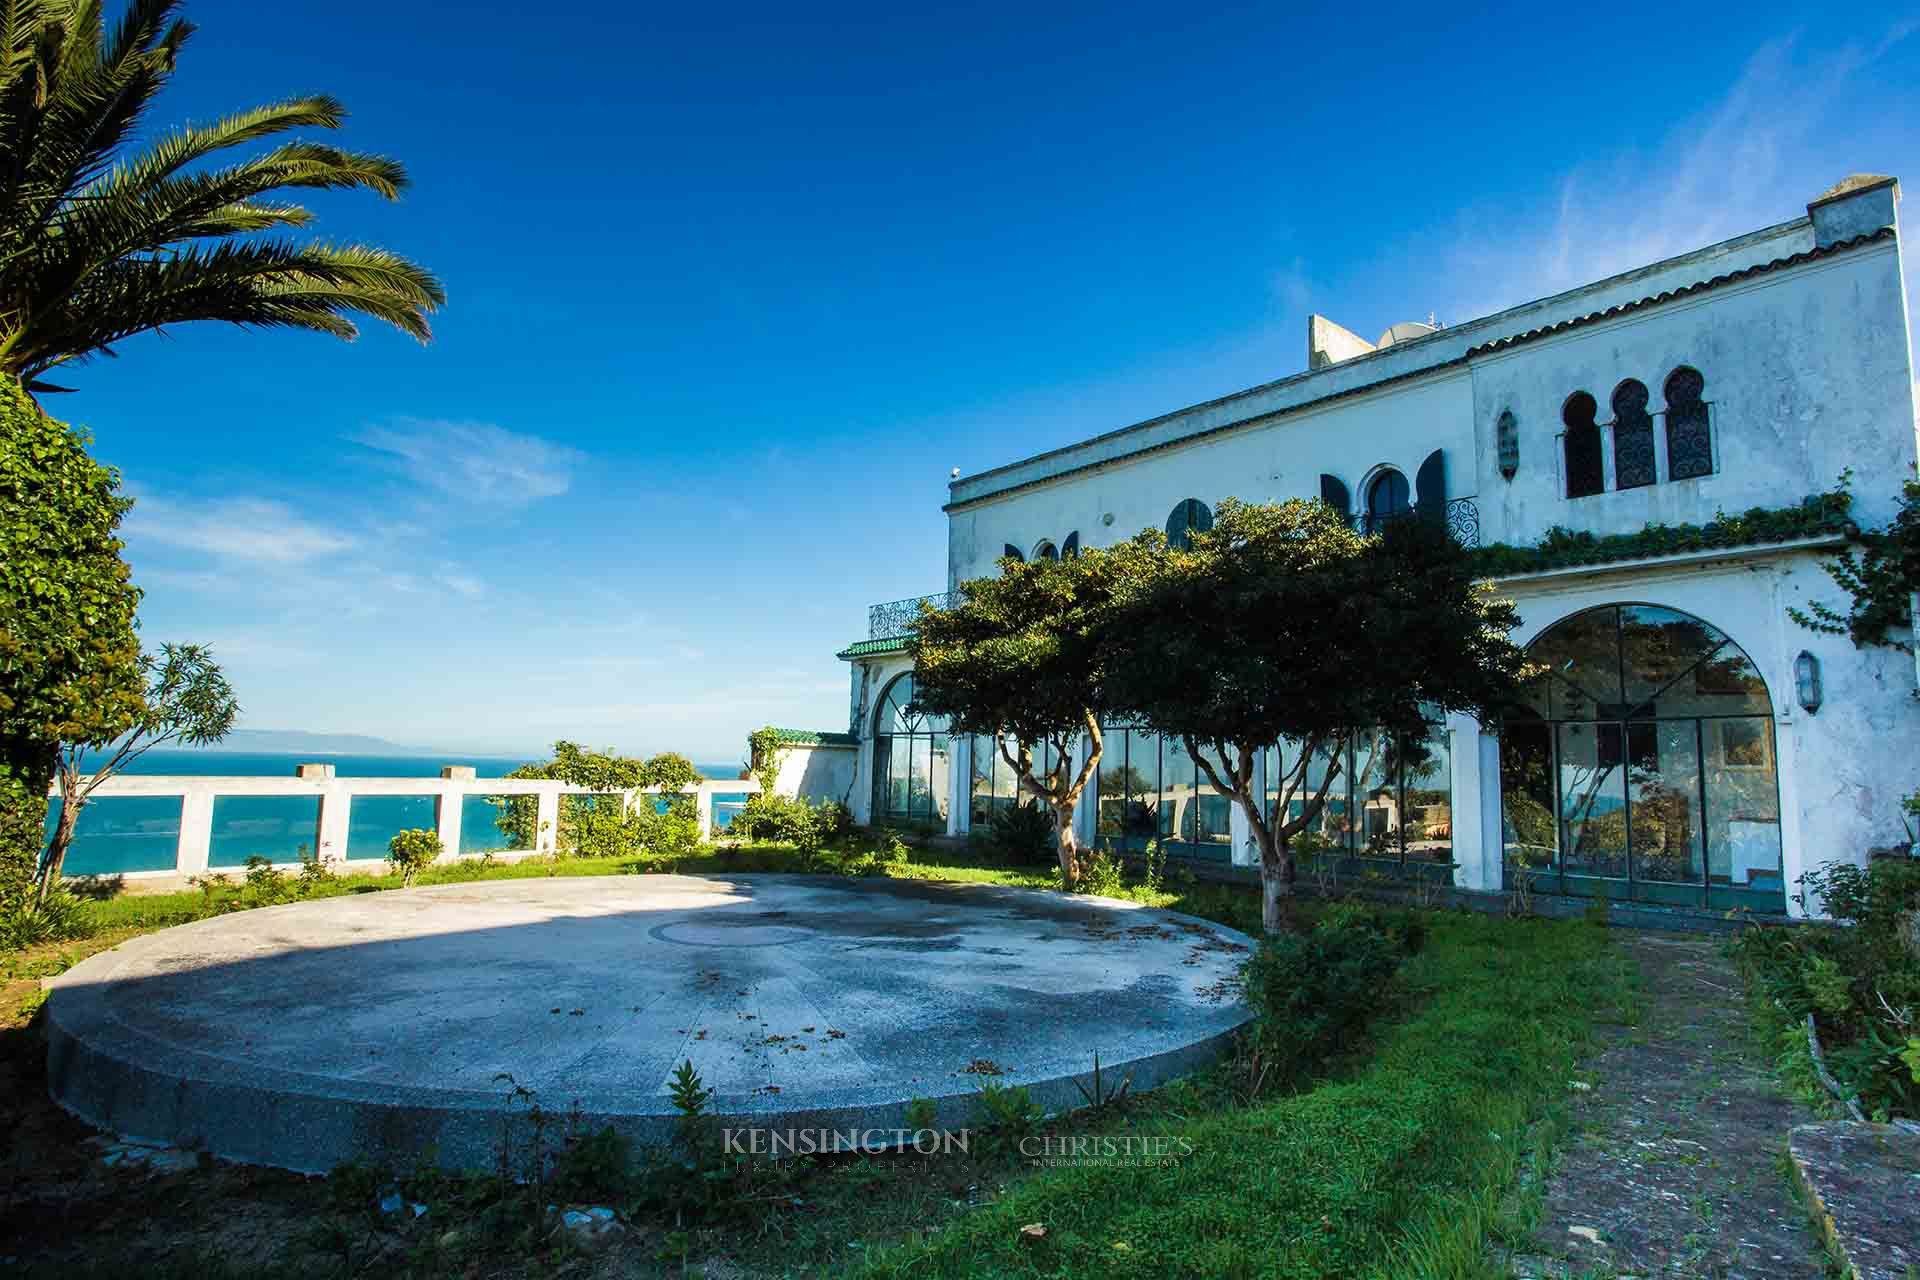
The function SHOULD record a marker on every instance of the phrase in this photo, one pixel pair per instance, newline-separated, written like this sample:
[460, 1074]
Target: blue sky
[731, 291]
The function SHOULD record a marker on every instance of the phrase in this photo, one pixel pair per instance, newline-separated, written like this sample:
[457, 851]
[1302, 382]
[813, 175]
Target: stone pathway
[1677, 1162]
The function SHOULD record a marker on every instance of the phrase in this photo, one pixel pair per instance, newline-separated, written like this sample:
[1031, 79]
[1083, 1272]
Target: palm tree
[100, 240]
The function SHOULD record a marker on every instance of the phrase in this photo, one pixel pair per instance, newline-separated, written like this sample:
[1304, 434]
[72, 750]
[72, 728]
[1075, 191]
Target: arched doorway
[909, 760]
[1641, 765]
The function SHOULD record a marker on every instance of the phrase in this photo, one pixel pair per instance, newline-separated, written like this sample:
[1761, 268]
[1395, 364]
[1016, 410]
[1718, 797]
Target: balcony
[894, 619]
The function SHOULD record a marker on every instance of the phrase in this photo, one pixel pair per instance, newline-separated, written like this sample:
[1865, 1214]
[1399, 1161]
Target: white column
[335, 801]
[703, 810]
[959, 783]
[1477, 844]
[196, 831]
[1610, 481]
[547, 822]
[1662, 470]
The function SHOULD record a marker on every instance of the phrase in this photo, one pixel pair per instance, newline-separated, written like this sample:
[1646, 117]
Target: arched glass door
[910, 775]
[1641, 765]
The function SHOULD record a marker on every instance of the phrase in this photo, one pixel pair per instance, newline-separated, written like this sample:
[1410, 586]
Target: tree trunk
[1276, 885]
[56, 859]
[1069, 844]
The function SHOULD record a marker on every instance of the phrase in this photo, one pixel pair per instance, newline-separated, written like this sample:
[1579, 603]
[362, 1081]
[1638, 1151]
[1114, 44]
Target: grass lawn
[1394, 1164]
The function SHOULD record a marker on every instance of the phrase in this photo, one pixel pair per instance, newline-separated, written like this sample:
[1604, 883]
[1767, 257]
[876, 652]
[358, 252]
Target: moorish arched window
[1388, 498]
[1045, 551]
[1632, 436]
[1689, 435]
[1011, 552]
[1641, 765]
[1188, 517]
[1506, 440]
[1070, 545]
[1586, 469]
[910, 776]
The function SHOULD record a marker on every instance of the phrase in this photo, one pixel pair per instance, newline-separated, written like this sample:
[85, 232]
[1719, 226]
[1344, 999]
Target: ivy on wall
[1562, 548]
[1879, 572]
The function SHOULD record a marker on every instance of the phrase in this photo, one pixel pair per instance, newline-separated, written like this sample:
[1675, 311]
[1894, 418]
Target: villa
[1692, 746]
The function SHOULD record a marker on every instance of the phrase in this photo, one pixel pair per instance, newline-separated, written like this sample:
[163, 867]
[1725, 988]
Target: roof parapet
[1858, 205]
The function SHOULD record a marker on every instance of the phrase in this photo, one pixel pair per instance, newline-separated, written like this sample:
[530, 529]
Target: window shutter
[1334, 494]
[1430, 487]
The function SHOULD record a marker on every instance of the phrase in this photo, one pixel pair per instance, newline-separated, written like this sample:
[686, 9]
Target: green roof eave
[874, 648]
[814, 738]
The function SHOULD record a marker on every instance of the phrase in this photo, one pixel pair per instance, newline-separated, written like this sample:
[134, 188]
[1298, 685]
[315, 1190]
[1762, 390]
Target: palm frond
[97, 245]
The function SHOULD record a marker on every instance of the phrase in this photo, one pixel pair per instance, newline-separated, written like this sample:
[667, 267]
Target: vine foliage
[1879, 572]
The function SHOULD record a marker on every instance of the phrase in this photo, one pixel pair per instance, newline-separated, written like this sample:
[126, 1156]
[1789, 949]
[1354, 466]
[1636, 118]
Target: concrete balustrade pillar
[703, 811]
[196, 832]
[547, 823]
[447, 806]
[335, 806]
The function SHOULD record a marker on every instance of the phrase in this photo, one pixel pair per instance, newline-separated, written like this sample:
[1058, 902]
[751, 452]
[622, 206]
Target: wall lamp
[1806, 681]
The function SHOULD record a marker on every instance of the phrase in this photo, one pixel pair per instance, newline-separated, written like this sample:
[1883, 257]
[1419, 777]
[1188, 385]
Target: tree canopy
[1024, 658]
[69, 659]
[101, 239]
[1282, 623]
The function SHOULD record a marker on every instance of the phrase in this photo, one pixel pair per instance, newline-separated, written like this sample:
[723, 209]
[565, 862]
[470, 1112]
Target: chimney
[1858, 205]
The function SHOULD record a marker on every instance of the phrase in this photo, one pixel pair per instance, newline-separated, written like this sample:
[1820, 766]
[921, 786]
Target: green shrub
[61, 918]
[1313, 993]
[791, 820]
[1861, 983]
[1022, 835]
[1100, 875]
[408, 851]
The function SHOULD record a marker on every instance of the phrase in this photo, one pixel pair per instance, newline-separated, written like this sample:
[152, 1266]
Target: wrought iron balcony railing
[1462, 515]
[894, 618]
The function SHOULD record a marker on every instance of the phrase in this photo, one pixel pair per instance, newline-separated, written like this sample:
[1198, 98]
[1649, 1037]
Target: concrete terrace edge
[112, 1077]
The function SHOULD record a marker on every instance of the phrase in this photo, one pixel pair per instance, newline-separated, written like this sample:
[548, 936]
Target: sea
[119, 834]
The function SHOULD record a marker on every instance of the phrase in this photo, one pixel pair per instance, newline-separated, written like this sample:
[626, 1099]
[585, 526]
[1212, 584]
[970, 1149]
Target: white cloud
[475, 462]
[259, 530]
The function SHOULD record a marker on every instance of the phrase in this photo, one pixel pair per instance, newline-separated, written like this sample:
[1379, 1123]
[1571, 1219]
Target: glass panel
[1377, 791]
[491, 824]
[1583, 652]
[1428, 818]
[1178, 792]
[1743, 806]
[1110, 818]
[121, 833]
[725, 809]
[1333, 827]
[981, 758]
[277, 828]
[372, 822]
[1659, 646]
[1723, 683]
[1212, 810]
[1142, 820]
[1528, 829]
[1663, 783]
[940, 777]
[899, 770]
[1593, 799]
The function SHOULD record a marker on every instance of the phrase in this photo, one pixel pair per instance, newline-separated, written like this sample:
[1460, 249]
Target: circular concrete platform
[382, 1026]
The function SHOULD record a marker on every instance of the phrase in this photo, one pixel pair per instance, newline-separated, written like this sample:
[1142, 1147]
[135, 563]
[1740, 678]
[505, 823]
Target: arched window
[1642, 764]
[1388, 498]
[1586, 473]
[1632, 436]
[1045, 551]
[909, 760]
[1689, 434]
[1506, 443]
[1011, 552]
[1188, 518]
[1070, 545]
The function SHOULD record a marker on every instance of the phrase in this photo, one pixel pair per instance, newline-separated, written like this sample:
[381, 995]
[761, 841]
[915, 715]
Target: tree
[592, 830]
[99, 241]
[1283, 623]
[1022, 659]
[188, 700]
[411, 850]
[69, 659]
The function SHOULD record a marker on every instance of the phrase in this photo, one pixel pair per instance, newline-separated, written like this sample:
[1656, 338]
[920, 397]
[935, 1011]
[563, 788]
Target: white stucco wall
[818, 772]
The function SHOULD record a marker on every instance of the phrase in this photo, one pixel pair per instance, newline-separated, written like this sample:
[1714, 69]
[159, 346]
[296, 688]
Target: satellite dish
[1405, 331]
